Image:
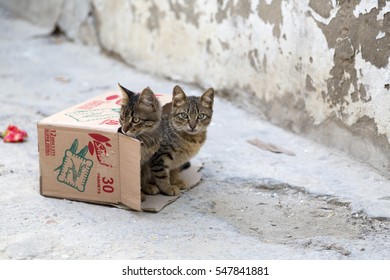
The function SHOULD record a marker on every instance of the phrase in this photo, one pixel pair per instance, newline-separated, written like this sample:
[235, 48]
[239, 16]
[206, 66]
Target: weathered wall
[319, 67]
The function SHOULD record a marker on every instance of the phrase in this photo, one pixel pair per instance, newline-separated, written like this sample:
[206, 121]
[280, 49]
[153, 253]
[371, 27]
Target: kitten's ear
[126, 94]
[207, 99]
[148, 100]
[179, 97]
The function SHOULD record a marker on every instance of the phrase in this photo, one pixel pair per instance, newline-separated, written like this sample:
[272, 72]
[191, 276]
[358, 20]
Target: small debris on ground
[13, 135]
[270, 147]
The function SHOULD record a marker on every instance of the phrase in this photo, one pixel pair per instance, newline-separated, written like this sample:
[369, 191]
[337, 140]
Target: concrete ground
[251, 203]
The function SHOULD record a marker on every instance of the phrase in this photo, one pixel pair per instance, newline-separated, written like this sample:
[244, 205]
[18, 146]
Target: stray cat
[184, 126]
[140, 118]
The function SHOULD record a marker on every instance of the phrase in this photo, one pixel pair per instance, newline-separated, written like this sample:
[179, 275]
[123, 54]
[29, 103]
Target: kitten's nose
[192, 125]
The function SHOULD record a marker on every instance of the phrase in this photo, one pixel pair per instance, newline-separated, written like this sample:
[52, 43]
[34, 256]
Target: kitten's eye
[135, 120]
[184, 115]
[201, 116]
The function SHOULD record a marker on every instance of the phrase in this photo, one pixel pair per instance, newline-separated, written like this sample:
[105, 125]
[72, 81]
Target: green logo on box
[75, 168]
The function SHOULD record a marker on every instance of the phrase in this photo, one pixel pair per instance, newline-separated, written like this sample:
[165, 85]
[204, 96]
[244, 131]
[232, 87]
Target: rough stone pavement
[251, 203]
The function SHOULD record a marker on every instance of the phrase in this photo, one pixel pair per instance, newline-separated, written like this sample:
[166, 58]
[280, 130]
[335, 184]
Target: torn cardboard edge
[155, 203]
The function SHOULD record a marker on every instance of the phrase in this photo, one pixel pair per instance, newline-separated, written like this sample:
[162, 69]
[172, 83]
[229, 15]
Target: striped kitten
[183, 127]
[140, 118]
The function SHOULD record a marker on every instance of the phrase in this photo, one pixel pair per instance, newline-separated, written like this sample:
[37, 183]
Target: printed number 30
[107, 187]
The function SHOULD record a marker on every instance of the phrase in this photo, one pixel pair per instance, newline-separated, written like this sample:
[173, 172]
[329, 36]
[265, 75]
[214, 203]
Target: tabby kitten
[140, 118]
[184, 124]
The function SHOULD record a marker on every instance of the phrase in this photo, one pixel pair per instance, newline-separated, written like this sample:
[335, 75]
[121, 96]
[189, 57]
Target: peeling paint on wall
[153, 22]
[322, 7]
[254, 60]
[272, 13]
[231, 8]
[361, 62]
[188, 10]
[361, 31]
[309, 84]
[344, 81]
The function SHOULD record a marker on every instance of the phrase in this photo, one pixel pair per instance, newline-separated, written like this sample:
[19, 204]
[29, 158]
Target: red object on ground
[13, 134]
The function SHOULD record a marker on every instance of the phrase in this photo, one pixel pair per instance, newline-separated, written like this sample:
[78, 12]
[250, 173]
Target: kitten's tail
[185, 166]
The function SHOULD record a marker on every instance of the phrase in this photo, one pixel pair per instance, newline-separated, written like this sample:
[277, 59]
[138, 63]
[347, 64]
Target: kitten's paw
[180, 184]
[172, 191]
[150, 189]
[175, 181]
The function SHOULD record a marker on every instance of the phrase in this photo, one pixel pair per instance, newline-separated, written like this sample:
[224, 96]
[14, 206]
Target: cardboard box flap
[101, 112]
[192, 176]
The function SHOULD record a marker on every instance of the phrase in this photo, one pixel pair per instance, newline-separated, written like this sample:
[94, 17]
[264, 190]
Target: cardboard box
[83, 157]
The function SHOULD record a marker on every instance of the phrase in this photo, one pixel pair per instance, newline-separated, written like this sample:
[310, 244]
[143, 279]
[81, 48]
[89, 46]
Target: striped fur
[140, 118]
[184, 128]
